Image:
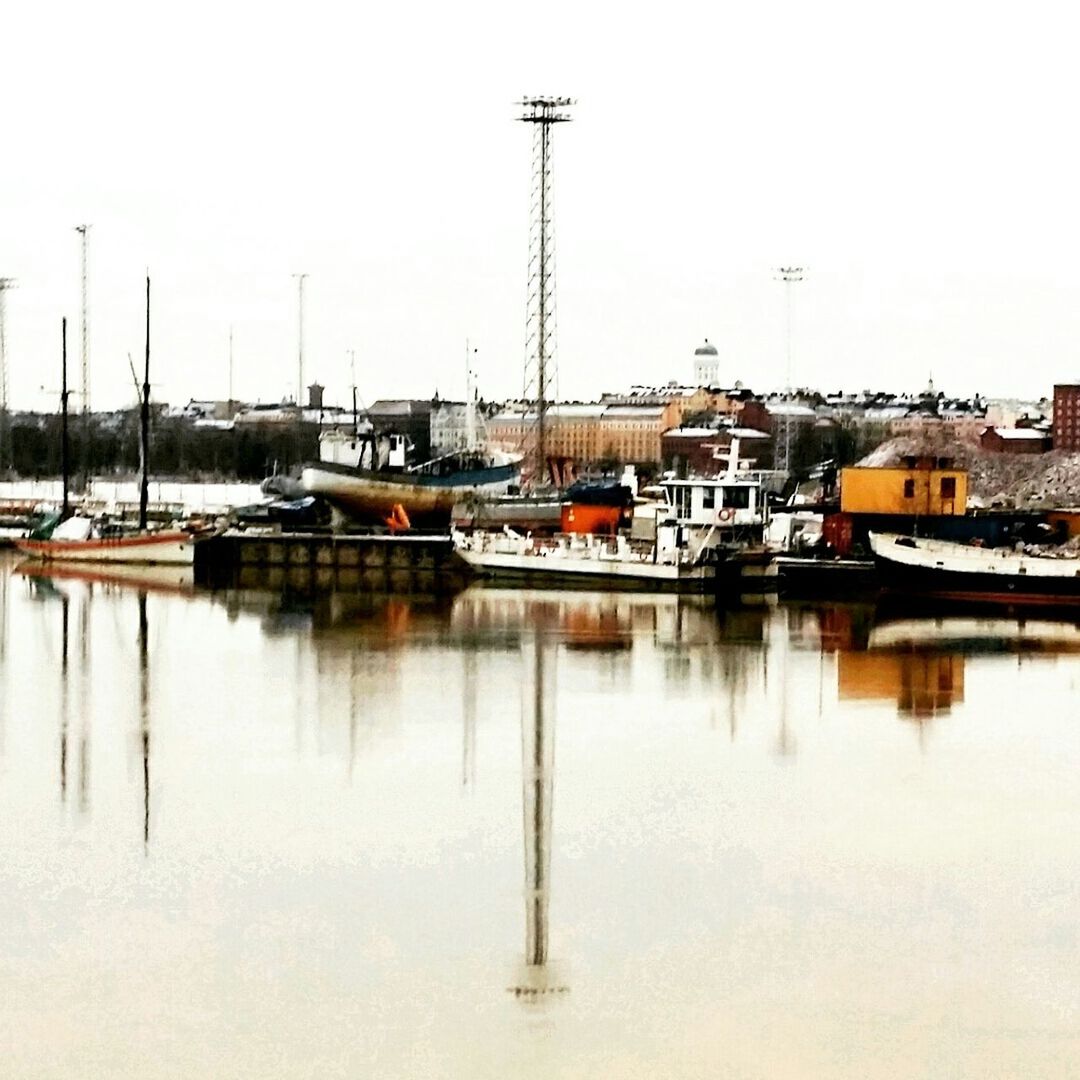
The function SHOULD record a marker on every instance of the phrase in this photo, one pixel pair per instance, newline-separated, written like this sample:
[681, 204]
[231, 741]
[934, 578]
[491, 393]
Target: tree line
[177, 448]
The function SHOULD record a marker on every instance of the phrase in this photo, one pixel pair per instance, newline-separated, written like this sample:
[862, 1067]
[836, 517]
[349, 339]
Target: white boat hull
[911, 567]
[571, 569]
[173, 548]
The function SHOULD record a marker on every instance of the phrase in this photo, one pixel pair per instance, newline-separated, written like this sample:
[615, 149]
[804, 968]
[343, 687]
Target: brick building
[1067, 416]
[1015, 440]
[699, 451]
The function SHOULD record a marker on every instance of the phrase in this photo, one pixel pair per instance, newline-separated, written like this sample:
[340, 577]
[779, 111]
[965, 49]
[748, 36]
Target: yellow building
[922, 487]
[589, 433]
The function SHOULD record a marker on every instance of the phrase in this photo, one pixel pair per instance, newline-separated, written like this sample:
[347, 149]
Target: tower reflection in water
[538, 978]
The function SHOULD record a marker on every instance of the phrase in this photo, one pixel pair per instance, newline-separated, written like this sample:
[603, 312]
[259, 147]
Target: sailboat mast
[144, 422]
[65, 465]
[352, 376]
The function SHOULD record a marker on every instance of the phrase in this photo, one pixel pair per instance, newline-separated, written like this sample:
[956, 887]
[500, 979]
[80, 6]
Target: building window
[909, 489]
[948, 487]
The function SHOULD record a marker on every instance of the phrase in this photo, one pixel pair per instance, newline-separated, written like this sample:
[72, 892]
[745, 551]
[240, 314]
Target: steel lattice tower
[540, 368]
[6, 457]
[790, 276]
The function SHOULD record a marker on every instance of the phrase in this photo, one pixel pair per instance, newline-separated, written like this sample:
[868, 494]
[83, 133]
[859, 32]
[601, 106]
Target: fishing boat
[943, 570]
[82, 539]
[366, 478]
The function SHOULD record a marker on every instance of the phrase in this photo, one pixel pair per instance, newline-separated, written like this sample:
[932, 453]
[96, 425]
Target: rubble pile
[1012, 481]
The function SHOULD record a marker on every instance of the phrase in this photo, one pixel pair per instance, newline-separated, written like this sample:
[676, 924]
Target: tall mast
[65, 464]
[6, 453]
[540, 372]
[84, 234]
[352, 379]
[144, 422]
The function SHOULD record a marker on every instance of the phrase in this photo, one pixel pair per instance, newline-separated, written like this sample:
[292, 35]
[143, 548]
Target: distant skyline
[918, 163]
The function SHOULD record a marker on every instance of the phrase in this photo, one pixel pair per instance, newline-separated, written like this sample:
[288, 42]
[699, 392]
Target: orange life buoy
[726, 514]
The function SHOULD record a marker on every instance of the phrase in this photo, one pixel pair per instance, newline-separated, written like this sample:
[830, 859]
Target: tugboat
[702, 524]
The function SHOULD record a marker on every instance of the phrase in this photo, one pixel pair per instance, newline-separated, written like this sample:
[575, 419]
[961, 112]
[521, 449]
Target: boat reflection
[177, 580]
[920, 663]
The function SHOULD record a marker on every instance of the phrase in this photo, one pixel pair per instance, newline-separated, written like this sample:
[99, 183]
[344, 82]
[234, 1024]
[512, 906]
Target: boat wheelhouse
[722, 503]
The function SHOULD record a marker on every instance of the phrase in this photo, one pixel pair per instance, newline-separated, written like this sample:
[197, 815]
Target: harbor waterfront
[533, 834]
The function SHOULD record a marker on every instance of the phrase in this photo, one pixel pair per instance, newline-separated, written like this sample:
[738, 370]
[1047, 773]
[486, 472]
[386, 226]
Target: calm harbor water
[245, 836]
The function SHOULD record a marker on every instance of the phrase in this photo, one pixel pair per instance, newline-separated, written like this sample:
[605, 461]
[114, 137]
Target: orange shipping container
[579, 518]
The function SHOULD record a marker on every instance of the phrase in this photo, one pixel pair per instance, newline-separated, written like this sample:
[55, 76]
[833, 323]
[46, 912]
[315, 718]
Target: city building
[1067, 417]
[700, 451]
[1015, 440]
[591, 433]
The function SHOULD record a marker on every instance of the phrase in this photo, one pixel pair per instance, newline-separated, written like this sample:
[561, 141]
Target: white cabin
[720, 502]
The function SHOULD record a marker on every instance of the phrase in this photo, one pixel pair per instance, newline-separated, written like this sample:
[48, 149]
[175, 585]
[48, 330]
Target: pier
[322, 562]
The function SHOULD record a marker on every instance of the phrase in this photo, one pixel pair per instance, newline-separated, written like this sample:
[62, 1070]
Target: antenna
[84, 234]
[6, 455]
[790, 276]
[540, 369]
[230, 369]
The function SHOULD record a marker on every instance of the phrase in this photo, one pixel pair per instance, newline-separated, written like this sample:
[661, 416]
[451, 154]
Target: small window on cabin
[708, 498]
[909, 489]
[738, 498]
[948, 487]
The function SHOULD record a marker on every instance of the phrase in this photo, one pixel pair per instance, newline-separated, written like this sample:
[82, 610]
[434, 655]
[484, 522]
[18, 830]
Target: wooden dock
[326, 562]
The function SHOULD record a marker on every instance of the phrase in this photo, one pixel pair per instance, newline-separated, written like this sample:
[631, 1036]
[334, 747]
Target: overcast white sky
[920, 159]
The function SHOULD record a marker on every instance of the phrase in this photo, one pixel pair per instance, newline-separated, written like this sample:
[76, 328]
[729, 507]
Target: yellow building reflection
[923, 684]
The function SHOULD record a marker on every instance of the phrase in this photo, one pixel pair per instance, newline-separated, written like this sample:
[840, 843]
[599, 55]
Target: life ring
[726, 514]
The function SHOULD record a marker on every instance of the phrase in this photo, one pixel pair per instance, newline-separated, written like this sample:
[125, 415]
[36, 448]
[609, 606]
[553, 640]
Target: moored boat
[586, 560]
[705, 524]
[366, 478]
[73, 541]
[943, 570]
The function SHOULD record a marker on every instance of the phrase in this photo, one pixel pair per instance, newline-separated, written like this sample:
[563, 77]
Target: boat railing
[560, 545]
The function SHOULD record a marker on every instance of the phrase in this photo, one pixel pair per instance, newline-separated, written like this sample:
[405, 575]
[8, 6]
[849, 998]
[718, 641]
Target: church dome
[706, 349]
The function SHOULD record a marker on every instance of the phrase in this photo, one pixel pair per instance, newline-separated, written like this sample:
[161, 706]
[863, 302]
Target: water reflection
[65, 716]
[351, 803]
[144, 715]
[537, 790]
